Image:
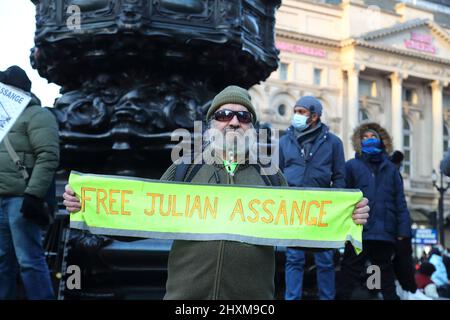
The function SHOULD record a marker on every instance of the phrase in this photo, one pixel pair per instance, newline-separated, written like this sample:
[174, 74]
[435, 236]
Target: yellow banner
[124, 206]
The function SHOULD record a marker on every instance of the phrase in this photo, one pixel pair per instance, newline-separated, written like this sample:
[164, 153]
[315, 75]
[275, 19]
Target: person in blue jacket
[311, 156]
[379, 179]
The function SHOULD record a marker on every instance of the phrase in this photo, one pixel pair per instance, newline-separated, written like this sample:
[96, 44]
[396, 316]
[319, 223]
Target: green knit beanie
[232, 94]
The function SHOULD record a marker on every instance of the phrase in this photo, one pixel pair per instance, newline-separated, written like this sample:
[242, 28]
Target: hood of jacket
[384, 136]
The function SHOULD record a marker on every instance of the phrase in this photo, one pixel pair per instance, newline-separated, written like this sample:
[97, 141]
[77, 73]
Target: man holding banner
[227, 220]
[29, 157]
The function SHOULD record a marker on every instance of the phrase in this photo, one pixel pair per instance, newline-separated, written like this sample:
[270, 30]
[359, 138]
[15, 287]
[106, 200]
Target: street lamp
[441, 189]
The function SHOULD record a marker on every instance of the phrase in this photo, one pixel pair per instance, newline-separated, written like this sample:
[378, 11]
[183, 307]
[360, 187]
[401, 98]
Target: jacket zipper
[218, 271]
[230, 180]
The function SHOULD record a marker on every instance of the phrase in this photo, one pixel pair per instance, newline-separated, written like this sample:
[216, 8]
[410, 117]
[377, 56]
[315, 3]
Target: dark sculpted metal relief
[132, 71]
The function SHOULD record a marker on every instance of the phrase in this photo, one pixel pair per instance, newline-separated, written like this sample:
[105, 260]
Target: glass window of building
[317, 76]
[367, 88]
[407, 138]
[446, 138]
[364, 88]
[282, 109]
[284, 68]
[446, 101]
[410, 96]
[363, 115]
[373, 89]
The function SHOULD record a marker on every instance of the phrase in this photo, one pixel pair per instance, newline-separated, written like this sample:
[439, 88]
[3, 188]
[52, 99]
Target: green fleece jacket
[221, 269]
[35, 139]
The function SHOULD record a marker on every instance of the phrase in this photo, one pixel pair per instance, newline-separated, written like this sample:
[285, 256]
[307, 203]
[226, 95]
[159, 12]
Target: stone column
[352, 107]
[438, 123]
[396, 109]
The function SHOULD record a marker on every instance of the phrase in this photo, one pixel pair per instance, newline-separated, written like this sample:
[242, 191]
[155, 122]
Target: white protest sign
[12, 103]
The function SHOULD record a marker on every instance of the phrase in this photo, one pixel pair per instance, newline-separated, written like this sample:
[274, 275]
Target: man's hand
[70, 201]
[361, 213]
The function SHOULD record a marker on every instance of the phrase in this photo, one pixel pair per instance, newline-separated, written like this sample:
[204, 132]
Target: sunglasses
[226, 115]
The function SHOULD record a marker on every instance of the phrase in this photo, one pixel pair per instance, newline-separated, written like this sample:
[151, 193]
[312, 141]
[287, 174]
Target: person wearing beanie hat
[222, 269]
[232, 95]
[25, 195]
[306, 120]
[311, 156]
[311, 104]
[16, 77]
[231, 133]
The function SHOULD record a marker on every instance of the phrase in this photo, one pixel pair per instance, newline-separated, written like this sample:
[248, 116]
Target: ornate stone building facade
[385, 61]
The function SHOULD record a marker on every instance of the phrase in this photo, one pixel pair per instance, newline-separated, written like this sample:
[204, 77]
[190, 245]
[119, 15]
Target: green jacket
[221, 269]
[35, 139]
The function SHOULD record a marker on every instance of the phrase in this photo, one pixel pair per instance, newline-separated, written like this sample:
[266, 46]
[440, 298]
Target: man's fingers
[365, 209]
[360, 221]
[69, 190]
[364, 202]
[72, 204]
[360, 216]
[72, 210]
[69, 197]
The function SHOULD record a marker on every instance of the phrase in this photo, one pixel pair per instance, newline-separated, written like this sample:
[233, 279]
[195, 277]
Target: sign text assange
[113, 201]
[254, 214]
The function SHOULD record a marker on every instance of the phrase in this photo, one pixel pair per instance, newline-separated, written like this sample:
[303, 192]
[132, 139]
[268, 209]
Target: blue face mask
[371, 146]
[299, 121]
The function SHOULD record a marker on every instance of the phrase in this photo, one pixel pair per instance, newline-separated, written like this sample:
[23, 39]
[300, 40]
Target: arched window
[446, 138]
[407, 147]
[282, 109]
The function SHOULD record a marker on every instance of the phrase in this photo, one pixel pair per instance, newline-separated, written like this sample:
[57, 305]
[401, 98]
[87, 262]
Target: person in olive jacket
[223, 269]
[379, 179]
[34, 137]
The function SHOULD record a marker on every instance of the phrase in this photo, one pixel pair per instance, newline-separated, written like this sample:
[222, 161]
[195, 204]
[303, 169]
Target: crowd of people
[311, 156]
[433, 273]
